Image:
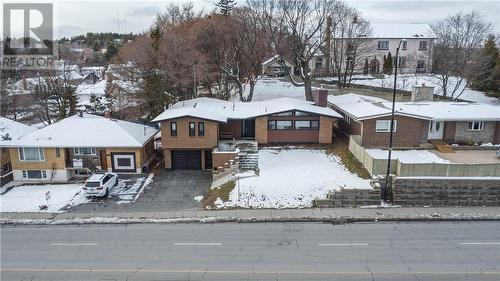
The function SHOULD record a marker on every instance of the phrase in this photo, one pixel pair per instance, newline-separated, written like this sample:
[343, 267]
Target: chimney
[422, 93]
[320, 97]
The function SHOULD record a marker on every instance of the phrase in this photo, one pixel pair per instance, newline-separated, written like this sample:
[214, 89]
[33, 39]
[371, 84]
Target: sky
[79, 17]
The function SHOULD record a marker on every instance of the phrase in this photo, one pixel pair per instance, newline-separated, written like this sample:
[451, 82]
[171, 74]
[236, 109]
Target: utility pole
[385, 189]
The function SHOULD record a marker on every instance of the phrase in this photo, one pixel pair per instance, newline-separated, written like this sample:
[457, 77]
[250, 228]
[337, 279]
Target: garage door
[123, 162]
[186, 159]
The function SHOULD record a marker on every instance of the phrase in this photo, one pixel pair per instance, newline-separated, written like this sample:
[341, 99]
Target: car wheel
[107, 193]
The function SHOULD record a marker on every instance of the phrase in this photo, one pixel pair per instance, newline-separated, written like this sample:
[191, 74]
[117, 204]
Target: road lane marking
[480, 243]
[197, 244]
[74, 244]
[343, 244]
[221, 271]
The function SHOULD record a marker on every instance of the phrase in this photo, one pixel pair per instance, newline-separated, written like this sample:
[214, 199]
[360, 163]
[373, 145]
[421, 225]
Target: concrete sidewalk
[333, 215]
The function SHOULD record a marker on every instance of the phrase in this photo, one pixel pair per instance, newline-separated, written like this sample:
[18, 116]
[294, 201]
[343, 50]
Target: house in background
[80, 144]
[195, 131]
[415, 55]
[10, 131]
[417, 122]
[277, 67]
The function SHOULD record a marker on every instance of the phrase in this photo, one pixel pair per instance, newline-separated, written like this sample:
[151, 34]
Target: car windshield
[92, 184]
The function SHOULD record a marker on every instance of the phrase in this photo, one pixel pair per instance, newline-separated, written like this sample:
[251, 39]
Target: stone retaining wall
[446, 191]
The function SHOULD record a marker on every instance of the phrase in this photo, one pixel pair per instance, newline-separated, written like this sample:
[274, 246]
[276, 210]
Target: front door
[435, 130]
[248, 129]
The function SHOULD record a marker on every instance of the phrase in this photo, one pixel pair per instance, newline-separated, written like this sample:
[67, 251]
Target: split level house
[192, 130]
[368, 119]
[10, 130]
[80, 144]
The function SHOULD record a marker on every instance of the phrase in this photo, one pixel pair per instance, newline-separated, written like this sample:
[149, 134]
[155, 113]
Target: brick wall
[183, 140]
[261, 129]
[410, 132]
[233, 126]
[462, 132]
[219, 158]
[449, 131]
[497, 133]
[325, 129]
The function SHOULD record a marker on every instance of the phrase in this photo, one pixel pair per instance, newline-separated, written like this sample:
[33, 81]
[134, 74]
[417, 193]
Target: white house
[415, 54]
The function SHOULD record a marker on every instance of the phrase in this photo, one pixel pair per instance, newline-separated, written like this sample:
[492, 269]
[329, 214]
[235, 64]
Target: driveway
[169, 190]
[175, 190]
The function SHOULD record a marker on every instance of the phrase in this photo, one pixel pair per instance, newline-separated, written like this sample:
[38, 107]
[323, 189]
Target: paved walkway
[266, 215]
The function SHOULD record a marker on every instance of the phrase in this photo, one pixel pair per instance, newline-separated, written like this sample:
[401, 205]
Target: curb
[342, 220]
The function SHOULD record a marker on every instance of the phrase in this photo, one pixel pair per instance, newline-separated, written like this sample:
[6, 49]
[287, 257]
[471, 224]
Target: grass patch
[221, 192]
[340, 147]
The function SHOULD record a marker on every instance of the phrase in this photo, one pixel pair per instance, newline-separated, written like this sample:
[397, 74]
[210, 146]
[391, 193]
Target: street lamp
[384, 190]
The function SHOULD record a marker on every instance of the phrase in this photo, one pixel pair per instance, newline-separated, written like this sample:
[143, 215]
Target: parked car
[498, 153]
[99, 184]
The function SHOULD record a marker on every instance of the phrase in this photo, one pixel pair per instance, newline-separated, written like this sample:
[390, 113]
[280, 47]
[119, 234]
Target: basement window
[476, 126]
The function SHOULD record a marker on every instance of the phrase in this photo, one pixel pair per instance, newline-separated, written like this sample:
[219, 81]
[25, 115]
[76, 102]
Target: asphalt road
[274, 251]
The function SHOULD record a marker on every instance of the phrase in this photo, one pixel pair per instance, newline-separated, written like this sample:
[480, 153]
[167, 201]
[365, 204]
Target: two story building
[192, 129]
[415, 55]
[80, 144]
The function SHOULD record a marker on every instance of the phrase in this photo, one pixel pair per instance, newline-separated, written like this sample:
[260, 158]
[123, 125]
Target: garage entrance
[186, 159]
[123, 162]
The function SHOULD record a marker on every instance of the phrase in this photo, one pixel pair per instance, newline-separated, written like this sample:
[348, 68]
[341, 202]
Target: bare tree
[458, 37]
[350, 44]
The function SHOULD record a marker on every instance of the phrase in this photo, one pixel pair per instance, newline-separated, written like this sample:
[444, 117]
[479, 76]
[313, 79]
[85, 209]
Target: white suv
[99, 184]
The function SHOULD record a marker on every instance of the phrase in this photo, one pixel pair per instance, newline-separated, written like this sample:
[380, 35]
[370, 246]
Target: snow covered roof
[89, 131]
[221, 111]
[401, 30]
[73, 75]
[275, 59]
[362, 107]
[11, 130]
[97, 89]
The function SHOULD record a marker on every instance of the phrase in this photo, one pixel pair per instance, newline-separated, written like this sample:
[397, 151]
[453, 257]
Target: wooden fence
[379, 166]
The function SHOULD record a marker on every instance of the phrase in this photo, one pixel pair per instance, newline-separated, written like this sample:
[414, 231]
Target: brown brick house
[80, 144]
[191, 129]
[416, 122]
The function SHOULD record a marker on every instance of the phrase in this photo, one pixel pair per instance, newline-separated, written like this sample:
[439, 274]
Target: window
[201, 129]
[303, 113]
[192, 129]
[173, 129]
[288, 113]
[420, 65]
[383, 45]
[106, 178]
[476, 126]
[402, 61]
[58, 152]
[34, 174]
[422, 45]
[279, 125]
[307, 125]
[384, 126]
[31, 154]
[405, 45]
[318, 63]
[84, 151]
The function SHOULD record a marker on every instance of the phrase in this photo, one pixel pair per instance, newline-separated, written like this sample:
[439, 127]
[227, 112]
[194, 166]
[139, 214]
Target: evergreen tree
[483, 69]
[365, 67]
[111, 51]
[96, 106]
[384, 65]
[226, 6]
[389, 64]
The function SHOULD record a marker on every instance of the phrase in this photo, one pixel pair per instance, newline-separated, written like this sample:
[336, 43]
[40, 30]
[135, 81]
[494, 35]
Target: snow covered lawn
[405, 82]
[28, 198]
[408, 156]
[292, 178]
